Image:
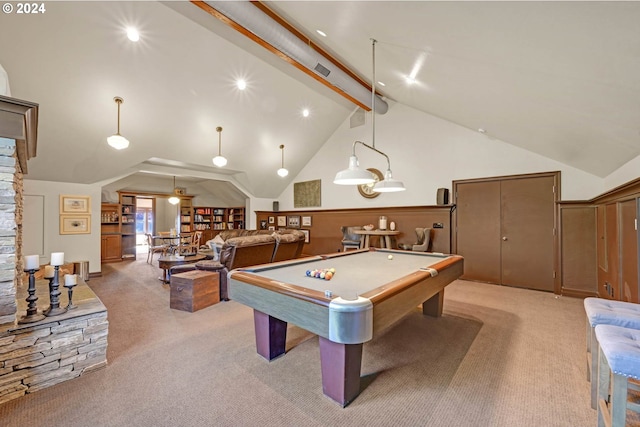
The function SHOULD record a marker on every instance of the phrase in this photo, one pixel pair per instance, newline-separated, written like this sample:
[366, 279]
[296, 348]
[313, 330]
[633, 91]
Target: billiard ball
[390, 257]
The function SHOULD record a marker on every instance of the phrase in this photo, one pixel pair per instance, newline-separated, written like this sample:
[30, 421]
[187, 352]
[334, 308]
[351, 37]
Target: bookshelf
[186, 219]
[128, 225]
[212, 220]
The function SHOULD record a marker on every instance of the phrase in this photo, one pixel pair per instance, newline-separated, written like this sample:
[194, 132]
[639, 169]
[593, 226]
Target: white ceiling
[561, 79]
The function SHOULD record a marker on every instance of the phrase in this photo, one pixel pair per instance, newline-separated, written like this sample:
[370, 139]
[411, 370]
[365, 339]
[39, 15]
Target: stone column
[10, 217]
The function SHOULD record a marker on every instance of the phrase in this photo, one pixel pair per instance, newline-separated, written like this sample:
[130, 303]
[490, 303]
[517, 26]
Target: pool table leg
[340, 364]
[271, 335]
[433, 306]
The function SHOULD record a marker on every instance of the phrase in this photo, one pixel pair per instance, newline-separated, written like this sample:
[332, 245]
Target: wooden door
[505, 229]
[628, 251]
[527, 220]
[478, 230]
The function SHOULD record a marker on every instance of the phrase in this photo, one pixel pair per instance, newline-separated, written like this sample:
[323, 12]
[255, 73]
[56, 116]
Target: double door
[505, 229]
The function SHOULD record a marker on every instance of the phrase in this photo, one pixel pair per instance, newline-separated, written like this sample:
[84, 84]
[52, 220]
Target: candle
[57, 258]
[31, 262]
[70, 279]
[48, 271]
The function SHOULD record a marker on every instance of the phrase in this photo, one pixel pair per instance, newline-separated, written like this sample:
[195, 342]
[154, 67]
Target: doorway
[145, 222]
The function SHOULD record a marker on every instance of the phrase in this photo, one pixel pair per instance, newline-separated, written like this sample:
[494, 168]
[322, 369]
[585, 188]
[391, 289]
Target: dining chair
[153, 248]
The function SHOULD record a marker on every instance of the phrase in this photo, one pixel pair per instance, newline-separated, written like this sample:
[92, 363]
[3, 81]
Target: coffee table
[166, 262]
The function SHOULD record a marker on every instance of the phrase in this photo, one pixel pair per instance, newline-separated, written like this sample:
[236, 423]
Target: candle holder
[54, 296]
[70, 287]
[32, 308]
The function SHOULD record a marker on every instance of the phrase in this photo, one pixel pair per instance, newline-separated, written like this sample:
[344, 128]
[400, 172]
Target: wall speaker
[276, 206]
[442, 198]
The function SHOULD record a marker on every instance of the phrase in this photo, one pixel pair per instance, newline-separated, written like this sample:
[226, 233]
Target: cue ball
[390, 257]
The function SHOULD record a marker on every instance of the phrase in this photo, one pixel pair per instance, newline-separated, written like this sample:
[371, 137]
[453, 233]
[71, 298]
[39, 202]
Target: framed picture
[272, 228]
[293, 221]
[75, 204]
[306, 235]
[75, 224]
[272, 220]
[282, 221]
[263, 224]
[306, 221]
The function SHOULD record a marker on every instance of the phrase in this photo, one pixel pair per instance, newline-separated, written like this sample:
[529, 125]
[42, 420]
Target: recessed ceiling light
[322, 33]
[410, 80]
[242, 85]
[381, 84]
[133, 34]
[482, 130]
[305, 112]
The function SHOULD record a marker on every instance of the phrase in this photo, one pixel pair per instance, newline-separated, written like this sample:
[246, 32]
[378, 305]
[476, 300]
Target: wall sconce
[118, 141]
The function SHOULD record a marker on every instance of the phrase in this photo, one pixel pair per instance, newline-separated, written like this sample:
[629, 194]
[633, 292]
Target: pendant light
[118, 141]
[282, 171]
[173, 199]
[353, 175]
[219, 160]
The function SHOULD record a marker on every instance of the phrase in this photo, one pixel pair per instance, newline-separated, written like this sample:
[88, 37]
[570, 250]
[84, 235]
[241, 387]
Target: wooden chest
[194, 290]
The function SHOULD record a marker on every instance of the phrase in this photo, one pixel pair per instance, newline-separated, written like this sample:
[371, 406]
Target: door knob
[504, 238]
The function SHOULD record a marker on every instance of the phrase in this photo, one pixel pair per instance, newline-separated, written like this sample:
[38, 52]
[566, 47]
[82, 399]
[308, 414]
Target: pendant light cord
[373, 93]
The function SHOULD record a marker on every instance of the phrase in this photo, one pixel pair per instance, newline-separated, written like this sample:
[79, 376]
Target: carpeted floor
[499, 356]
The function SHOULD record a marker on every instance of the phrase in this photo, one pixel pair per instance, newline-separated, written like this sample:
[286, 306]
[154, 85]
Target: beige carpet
[499, 356]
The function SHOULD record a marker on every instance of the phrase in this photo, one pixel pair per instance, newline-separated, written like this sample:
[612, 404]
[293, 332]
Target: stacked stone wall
[35, 357]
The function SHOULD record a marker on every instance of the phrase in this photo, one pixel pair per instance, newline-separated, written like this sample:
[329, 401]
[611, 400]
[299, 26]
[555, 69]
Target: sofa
[242, 248]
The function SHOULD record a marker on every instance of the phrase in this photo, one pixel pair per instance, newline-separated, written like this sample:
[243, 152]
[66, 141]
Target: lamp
[219, 160]
[118, 141]
[173, 199]
[353, 175]
[282, 171]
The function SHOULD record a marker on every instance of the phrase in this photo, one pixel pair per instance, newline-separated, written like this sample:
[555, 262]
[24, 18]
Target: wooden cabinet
[128, 225]
[110, 232]
[111, 248]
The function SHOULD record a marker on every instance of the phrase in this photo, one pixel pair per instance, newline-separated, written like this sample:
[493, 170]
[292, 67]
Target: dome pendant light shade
[219, 160]
[118, 141]
[173, 199]
[388, 185]
[353, 175]
[282, 171]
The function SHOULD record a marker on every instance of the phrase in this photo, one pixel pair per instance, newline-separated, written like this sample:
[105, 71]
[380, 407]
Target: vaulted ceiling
[561, 79]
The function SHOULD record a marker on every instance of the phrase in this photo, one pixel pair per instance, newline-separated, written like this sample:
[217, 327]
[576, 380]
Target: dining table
[172, 242]
[385, 237]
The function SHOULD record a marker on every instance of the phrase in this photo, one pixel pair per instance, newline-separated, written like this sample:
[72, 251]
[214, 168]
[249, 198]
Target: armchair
[349, 238]
[422, 245]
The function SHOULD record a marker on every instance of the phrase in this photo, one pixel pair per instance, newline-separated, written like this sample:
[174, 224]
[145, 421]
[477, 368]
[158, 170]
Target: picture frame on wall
[272, 228]
[272, 220]
[263, 224]
[75, 224]
[306, 221]
[293, 221]
[75, 204]
[307, 236]
[282, 221]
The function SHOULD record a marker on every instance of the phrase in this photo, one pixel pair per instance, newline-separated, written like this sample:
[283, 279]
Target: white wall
[426, 153]
[627, 172]
[76, 247]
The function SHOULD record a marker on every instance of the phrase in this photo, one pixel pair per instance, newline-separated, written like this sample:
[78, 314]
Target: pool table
[370, 291]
